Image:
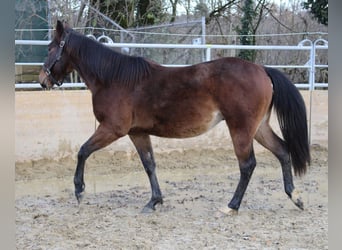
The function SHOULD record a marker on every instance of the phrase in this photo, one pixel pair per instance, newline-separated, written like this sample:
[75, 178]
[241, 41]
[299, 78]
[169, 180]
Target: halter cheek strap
[47, 69]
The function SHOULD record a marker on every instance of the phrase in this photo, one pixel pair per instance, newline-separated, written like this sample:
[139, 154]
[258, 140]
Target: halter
[47, 69]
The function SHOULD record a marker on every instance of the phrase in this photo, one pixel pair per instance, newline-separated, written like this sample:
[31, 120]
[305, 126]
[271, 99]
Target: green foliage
[247, 30]
[319, 8]
[149, 12]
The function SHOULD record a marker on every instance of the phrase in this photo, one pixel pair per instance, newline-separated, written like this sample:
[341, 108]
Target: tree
[201, 9]
[173, 10]
[148, 12]
[250, 21]
[319, 8]
[220, 10]
[246, 30]
[130, 13]
[121, 12]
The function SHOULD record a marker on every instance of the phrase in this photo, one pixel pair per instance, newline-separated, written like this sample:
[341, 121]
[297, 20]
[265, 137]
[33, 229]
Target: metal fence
[206, 54]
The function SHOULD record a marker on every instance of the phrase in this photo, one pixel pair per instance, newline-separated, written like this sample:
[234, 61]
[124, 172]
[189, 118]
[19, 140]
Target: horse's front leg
[142, 143]
[102, 137]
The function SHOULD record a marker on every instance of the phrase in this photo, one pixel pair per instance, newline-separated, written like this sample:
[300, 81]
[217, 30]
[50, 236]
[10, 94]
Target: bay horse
[137, 97]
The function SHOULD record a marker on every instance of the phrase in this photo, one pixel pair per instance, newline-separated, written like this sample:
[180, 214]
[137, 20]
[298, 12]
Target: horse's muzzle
[43, 80]
[43, 85]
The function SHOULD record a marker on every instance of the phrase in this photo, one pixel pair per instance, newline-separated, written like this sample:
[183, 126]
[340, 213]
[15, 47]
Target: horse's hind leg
[246, 165]
[243, 146]
[266, 137]
[143, 145]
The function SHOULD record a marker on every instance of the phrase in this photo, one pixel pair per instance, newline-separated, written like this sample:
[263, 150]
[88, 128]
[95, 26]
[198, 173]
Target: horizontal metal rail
[67, 85]
[186, 46]
[207, 47]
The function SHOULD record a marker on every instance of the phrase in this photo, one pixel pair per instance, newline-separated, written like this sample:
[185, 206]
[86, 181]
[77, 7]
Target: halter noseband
[47, 69]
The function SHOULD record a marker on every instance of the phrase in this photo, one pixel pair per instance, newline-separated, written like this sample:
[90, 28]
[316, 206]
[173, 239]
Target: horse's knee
[83, 153]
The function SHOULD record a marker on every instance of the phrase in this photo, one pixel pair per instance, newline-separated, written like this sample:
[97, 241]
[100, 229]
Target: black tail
[291, 113]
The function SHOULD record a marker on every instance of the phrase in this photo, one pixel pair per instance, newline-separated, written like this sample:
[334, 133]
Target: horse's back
[175, 103]
[185, 102]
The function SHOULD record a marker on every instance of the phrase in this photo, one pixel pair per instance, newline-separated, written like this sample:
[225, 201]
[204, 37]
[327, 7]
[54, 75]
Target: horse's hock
[54, 124]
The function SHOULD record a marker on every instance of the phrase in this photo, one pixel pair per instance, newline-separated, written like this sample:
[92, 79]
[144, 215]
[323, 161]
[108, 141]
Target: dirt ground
[195, 183]
[197, 176]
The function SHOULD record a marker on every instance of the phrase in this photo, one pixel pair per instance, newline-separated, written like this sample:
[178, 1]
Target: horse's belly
[187, 126]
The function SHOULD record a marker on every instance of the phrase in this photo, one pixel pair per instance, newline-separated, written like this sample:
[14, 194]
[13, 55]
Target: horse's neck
[84, 71]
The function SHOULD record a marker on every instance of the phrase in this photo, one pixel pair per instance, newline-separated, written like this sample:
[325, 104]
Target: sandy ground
[194, 184]
[197, 176]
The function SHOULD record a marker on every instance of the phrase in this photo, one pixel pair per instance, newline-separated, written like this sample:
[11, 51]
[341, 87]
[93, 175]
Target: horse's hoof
[79, 197]
[148, 210]
[297, 200]
[150, 206]
[228, 211]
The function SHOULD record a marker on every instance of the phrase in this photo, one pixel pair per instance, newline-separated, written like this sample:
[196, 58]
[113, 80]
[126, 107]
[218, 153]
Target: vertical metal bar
[204, 53]
[203, 30]
[312, 67]
[208, 53]
[311, 85]
[49, 20]
[311, 80]
[312, 77]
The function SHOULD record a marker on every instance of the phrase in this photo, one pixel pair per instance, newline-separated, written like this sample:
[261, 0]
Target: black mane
[106, 64]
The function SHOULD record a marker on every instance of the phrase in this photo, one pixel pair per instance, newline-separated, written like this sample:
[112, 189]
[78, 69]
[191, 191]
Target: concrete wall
[54, 124]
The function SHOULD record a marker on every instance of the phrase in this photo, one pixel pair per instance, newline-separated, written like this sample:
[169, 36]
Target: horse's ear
[59, 29]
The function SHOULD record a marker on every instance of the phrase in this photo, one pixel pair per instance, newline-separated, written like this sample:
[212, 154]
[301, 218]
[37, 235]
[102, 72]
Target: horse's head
[57, 64]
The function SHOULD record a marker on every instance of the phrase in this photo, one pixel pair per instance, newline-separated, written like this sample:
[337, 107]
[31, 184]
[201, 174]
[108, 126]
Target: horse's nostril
[43, 85]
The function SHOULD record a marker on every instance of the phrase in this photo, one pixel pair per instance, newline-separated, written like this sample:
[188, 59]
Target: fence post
[204, 53]
[203, 30]
[311, 78]
[325, 43]
[208, 53]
